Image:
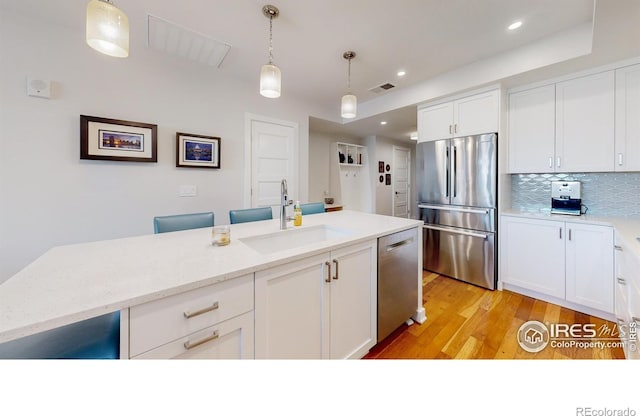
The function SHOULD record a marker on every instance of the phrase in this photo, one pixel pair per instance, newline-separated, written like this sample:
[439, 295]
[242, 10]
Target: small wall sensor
[39, 88]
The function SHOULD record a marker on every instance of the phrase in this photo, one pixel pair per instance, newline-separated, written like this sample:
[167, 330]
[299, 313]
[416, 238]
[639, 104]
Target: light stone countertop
[625, 228]
[76, 282]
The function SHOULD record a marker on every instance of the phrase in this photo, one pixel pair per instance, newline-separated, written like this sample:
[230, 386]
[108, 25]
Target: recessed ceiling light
[383, 122]
[401, 73]
[515, 25]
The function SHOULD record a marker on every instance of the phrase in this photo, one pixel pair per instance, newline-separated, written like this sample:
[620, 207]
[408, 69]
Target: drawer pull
[619, 248]
[201, 311]
[188, 345]
[622, 281]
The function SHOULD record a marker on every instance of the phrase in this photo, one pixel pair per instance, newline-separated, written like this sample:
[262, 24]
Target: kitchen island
[72, 283]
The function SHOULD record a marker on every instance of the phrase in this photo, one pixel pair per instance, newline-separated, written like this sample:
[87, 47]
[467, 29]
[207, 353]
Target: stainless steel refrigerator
[457, 188]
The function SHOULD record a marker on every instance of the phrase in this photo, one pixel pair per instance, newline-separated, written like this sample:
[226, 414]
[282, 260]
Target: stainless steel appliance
[397, 280]
[566, 197]
[457, 188]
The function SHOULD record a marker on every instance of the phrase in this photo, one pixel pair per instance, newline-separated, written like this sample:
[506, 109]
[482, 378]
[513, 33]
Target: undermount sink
[293, 238]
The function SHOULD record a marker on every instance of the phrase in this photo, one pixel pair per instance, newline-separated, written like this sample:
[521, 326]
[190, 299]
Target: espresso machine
[566, 198]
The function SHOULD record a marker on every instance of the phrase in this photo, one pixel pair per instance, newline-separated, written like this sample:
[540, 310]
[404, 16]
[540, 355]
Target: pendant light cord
[270, 40]
[349, 77]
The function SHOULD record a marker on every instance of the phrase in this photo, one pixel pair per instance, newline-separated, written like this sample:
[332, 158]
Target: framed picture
[387, 179]
[121, 140]
[196, 151]
[380, 167]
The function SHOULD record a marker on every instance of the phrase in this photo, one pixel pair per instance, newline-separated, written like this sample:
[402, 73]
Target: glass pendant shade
[107, 29]
[270, 81]
[349, 105]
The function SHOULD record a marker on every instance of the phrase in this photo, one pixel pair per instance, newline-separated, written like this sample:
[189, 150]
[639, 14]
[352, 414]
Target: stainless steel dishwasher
[398, 272]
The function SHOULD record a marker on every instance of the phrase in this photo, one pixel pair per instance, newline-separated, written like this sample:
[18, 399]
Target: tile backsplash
[606, 194]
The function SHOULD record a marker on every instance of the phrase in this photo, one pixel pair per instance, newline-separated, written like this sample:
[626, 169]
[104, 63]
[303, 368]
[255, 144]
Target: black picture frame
[387, 179]
[381, 167]
[118, 140]
[197, 151]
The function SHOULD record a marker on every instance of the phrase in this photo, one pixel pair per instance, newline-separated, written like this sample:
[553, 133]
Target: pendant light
[270, 77]
[349, 101]
[107, 29]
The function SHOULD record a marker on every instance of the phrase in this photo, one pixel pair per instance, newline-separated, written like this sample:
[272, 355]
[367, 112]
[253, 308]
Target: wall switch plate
[39, 88]
[188, 190]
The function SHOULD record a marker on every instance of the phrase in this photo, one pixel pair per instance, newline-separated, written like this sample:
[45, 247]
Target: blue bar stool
[251, 214]
[181, 222]
[95, 338]
[312, 208]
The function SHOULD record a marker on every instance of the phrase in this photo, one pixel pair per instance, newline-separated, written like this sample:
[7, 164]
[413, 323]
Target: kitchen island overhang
[72, 283]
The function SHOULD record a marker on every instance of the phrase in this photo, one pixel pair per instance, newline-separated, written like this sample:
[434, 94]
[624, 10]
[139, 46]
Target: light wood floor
[466, 321]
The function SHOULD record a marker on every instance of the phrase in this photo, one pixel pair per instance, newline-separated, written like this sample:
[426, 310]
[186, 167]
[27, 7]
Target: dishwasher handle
[391, 247]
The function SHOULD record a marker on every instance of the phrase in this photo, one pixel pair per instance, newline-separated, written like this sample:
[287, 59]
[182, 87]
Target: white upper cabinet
[476, 114]
[563, 127]
[627, 130]
[585, 124]
[435, 122]
[532, 130]
[466, 116]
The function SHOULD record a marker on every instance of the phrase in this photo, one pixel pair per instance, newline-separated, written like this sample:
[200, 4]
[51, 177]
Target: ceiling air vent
[381, 88]
[173, 39]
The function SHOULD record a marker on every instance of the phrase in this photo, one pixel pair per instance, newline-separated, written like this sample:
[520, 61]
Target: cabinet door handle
[550, 163]
[559, 161]
[201, 311]
[619, 159]
[328, 279]
[188, 345]
[455, 128]
[560, 233]
[622, 281]
[569, 234]
[337, 271]
[450, 129]
[619, 248]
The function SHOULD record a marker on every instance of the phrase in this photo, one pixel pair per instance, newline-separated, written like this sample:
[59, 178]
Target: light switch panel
[188, 190]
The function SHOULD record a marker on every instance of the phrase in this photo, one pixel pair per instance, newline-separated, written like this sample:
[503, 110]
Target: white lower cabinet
[323, 306]
[627, 298]
[533, 255]
[566, 260]
[214, 321]
[231, 339]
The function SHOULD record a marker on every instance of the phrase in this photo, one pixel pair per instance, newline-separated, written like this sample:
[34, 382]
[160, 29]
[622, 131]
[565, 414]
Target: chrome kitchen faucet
[284, 202]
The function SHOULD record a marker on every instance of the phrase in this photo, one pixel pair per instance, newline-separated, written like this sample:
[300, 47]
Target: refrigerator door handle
[452, 208]
[463, 232]
[455, 171]
[446, 164]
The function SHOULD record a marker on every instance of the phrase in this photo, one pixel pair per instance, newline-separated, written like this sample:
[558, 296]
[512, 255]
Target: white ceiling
[423, 37]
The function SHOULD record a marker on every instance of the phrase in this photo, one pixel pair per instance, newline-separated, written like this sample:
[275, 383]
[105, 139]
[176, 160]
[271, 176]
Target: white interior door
[273, 158]
[401, 181]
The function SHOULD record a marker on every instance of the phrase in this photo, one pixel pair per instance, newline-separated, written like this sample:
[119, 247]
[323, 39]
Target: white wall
[384, 152]
[320, 163]
[49, 197]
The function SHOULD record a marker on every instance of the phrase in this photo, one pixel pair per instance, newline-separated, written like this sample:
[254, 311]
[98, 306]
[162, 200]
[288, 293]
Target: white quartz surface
[626, 229]
[75, 282]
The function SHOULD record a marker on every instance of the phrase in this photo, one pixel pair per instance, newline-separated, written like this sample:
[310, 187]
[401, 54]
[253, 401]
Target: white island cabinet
[215, 321]
[569, 262]
[320, 307]
[263, 295]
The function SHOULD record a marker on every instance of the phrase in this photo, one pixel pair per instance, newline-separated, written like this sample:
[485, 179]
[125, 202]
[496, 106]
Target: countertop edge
[65, 319]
